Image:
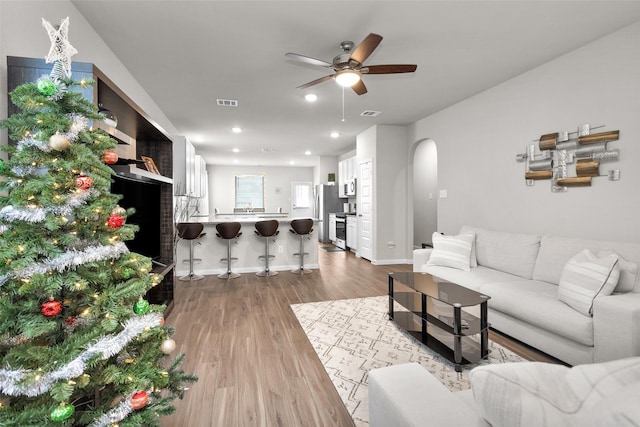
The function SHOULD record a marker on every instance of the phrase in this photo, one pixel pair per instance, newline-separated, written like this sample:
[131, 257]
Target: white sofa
[526, 394]
[521, 273]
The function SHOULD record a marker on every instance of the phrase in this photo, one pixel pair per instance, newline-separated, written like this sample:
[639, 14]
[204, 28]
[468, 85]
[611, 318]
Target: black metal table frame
[457, 325]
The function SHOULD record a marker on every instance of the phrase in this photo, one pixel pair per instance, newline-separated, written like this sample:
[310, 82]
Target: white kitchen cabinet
[184, 159]
[332, 227]
[200, 181]
[352, 232]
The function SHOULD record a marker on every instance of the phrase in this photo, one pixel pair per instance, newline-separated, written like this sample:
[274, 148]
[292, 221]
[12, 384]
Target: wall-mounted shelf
[116, 133]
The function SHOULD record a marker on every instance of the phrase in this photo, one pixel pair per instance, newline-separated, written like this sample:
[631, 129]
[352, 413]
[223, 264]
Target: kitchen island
[210, 248]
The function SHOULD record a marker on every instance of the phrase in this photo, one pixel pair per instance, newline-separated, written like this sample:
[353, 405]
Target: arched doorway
[425, 187]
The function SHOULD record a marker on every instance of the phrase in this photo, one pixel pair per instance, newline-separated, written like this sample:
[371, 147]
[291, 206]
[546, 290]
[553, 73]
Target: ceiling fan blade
[366, 48]
[308, 60]
[359, 88]
[315, 82]
[389, 69]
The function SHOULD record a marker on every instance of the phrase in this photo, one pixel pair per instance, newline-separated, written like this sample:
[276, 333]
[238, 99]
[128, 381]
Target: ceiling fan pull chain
[343, 103]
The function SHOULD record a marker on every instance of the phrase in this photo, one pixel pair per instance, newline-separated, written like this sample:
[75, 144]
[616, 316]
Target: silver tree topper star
[61, 50]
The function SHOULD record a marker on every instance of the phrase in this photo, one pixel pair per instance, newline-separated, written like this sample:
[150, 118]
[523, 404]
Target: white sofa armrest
[407, 395]
[616, 326]
[420, 258]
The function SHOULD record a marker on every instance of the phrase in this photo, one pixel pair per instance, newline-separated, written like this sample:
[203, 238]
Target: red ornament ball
[84, 182]
[115, 221]
[139, 400]
[110, 157]
[51, 308]
[70, 321]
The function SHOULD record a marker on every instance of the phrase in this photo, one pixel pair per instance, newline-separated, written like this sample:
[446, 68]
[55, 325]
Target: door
[301, 200]
[365, 210]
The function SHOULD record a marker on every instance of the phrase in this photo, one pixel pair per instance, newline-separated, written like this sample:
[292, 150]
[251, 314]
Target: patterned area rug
[353, 336]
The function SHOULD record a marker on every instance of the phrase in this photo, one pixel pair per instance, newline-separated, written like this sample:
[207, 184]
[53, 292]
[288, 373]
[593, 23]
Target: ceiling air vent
[227, 102]
[370, 113]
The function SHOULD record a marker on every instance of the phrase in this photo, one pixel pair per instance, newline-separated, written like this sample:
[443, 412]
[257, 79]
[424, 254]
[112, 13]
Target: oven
[341, 231]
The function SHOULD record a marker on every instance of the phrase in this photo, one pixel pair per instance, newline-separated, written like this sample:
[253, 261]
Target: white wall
[479, 138]
[386, 146]
[325, 166]
[277, 185]
[425, 192]
[22, 34]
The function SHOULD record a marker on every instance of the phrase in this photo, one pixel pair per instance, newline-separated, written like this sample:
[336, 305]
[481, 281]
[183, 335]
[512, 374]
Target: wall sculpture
[570, 159]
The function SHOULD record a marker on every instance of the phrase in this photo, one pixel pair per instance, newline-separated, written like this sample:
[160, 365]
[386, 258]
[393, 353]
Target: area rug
[353, 336]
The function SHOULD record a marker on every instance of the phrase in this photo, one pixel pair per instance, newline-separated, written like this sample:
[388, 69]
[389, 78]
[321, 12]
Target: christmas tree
[79, 345]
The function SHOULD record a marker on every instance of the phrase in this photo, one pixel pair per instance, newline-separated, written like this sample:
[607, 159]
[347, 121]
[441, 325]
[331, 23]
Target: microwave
[350, 187]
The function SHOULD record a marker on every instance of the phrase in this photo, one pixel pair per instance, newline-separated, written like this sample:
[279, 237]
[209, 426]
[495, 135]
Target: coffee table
[446, 317]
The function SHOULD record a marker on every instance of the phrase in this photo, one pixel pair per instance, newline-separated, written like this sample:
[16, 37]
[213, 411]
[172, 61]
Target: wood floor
[254, 362]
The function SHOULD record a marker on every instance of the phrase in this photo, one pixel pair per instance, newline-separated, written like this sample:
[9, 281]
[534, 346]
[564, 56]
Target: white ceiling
[186, 54]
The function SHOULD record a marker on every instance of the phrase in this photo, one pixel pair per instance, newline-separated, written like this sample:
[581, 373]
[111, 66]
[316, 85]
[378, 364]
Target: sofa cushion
[619, 409]
[537, 303]
[536, 394]
[509, 252]
[556, 251]
[452, 251]
[469, 230]
[473, 280]
[585, 277]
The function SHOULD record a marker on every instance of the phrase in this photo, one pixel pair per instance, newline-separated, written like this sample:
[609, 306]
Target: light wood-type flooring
[254, 362]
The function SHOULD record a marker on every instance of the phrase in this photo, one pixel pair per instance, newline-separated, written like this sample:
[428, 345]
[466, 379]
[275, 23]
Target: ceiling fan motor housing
[342, 62]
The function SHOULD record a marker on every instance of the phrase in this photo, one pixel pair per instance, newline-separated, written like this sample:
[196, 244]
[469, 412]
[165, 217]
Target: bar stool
[267, 229]
[301, 227]
[228, 231]
[190, 231]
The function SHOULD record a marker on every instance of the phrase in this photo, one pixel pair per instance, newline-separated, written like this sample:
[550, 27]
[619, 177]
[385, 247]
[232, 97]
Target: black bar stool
[190, 231]
[267, 229]
[228, 231]
[301, 227]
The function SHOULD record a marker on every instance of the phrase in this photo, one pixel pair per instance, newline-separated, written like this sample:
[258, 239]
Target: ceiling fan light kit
[349, 66]
[347, 78]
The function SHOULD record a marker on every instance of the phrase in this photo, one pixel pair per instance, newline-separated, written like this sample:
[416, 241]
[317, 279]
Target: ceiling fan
[349, 66]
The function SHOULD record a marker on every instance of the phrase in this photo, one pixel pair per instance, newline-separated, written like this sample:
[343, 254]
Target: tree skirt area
[353, 336]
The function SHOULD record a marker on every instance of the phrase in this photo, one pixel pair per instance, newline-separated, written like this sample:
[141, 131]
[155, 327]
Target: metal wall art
[570, 159]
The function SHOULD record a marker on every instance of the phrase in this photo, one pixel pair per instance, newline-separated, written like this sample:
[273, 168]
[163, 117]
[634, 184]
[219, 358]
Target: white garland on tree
[11, 213]
[32, 142]
[116, 414]
[16, 383]
[71, 258]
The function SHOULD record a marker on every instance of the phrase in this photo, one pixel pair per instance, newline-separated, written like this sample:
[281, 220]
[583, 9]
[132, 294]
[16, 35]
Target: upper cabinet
[184, 172]
[201, 178]
[347, 170]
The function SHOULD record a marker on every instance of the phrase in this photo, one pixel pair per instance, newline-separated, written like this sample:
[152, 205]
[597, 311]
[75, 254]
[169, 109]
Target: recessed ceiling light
[236, 130]
[308, 153]
[292, 162]
[334, 134]
[236, 150]
[235, 161]
[311, 97]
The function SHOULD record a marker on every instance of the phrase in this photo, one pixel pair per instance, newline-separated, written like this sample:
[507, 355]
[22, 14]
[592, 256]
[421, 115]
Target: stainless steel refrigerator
[327, 202]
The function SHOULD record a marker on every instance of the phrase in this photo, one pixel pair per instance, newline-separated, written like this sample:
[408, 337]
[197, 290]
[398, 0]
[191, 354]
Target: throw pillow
[543, 394]
[585, 277]
[452, 251]
[628, 272]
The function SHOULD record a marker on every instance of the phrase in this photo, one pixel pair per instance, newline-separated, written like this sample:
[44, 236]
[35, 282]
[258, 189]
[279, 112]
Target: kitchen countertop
[244, 218]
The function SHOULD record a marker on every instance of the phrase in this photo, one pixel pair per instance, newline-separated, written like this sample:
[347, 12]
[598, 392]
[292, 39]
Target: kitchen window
[249, 192]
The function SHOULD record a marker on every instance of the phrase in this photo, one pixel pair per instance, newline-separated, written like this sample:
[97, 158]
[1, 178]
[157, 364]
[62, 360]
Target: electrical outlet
[280, 249]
